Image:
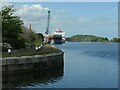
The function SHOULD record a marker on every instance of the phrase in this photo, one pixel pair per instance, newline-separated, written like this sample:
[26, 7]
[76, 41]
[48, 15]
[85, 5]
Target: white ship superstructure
[60, 32]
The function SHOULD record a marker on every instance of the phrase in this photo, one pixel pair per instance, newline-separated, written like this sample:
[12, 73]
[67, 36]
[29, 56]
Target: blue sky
[94, 18]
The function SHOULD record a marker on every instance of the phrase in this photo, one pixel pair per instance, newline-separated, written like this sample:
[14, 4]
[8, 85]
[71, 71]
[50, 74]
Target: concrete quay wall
[31, 63]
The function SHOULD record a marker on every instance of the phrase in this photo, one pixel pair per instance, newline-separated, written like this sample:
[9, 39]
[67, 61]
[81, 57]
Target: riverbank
[31, 63]
[47, 49]
[28, 60]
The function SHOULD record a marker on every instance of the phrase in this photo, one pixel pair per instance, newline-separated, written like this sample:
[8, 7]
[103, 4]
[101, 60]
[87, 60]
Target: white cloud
[36, 15]
[2, 4]
[96, 22]
[29, 10]
[83, 21]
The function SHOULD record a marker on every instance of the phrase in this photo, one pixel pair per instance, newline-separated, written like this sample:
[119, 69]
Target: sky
[86, 18]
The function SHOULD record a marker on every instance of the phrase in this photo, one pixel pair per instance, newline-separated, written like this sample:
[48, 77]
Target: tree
[41, 35]
[11, 24]
[11, 27]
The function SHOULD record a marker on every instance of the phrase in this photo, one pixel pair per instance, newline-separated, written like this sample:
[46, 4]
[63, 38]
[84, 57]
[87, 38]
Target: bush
[5, 46]
[22, 43]
[4, 49]
[15, 43]
[30, 45]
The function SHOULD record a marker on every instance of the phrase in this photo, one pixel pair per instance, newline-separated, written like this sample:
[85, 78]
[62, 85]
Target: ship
[57, 37]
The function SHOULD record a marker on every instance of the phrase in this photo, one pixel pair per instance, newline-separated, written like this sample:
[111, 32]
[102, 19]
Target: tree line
[90, 38]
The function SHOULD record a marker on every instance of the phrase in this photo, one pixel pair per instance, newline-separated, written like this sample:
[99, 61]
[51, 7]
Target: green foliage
[31, 38]
[115, 40]
[11, 24]
[4, 49]
[38, 39]
[31, 51]
[5, 46]
[41, 36]
[15, 43]
[86, 38]
[11, 27]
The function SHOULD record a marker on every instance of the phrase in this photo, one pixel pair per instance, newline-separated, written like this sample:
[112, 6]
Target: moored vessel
[57, 37]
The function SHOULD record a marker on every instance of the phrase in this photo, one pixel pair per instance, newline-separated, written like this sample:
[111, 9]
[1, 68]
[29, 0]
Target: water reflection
[31, 78]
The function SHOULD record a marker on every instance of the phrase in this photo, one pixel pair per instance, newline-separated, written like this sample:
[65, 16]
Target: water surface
[86, 65]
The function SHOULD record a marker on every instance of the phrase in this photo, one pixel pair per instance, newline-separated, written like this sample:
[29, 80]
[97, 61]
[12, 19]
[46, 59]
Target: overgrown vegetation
[11, 27]
[15, 33]
[31, 38]
[31, 51]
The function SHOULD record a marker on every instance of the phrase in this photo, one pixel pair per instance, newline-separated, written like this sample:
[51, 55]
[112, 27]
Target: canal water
[86, 65]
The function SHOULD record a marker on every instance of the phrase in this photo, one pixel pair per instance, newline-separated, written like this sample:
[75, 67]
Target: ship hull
[57, 39]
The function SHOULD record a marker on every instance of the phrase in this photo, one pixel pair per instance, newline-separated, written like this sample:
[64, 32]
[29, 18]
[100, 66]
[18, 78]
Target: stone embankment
[31, 63]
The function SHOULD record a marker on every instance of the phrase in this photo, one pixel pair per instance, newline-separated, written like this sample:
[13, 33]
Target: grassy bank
[31, 51]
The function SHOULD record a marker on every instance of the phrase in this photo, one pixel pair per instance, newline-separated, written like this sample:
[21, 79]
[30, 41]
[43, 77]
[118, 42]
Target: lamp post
[9, 51]
[36, 48]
